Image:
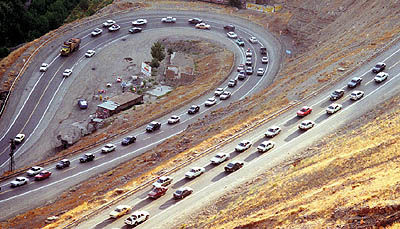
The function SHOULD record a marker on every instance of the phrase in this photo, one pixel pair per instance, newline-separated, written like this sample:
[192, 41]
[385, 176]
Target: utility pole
[12, 149]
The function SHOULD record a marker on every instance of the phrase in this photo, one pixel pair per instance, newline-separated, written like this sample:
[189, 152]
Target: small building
[117, 104]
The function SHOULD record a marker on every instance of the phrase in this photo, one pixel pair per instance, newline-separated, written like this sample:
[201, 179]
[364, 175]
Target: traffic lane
[80, 53]
[263, 163]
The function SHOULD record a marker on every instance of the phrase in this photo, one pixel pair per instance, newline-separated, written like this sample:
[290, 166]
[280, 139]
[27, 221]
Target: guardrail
[183, 164]
[220, 144]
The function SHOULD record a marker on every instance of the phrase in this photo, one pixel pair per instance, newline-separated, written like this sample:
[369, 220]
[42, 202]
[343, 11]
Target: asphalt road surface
[165, 211]
[29, 115]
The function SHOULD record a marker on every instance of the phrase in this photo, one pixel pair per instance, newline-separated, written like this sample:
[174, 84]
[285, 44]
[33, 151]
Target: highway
[50, 85]
[215, 182]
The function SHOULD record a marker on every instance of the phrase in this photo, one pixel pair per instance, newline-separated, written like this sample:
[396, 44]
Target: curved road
[215, 182]
[51, 85]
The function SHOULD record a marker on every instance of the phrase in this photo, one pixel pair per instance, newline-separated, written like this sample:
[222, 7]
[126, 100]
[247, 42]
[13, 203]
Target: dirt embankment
[347, 180]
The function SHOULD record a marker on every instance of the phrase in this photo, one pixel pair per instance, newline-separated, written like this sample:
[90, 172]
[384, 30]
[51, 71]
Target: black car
[128, 140]
[232, 82]
[182, 192]
[86, 158]
[63, 164]
[195, 21]
[337, 94]
[263, 51]
[135, 30]
[229, 28]
[193, 109]
[354, 82]
[379, 67]
[153, 126]
[233, 166]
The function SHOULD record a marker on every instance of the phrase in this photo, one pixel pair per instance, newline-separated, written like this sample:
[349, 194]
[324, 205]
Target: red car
[157, 192]
[43, 175]
[304, 111]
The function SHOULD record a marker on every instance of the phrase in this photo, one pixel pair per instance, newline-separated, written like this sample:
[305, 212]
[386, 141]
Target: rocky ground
[315, 26]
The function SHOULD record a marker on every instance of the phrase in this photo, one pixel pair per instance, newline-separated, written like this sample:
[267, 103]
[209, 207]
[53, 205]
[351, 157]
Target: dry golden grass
[358, 170]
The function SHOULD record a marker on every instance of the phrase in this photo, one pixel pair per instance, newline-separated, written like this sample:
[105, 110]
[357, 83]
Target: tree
[154, 63]
[158, 51]
[170, 51]
[236, 3]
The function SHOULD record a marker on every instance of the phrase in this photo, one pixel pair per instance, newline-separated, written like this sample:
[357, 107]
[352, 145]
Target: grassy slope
[353, 181]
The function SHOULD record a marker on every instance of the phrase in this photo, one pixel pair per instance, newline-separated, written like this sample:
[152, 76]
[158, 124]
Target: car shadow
[258, 142]
[292, 121]
[210, 166]
[141, 204]
[105, 223]
[294, 135]
[326, 103]
[322, 118]
[182, 182]
[252, 156]
[167, 204]
[144, 194]
[219, 176]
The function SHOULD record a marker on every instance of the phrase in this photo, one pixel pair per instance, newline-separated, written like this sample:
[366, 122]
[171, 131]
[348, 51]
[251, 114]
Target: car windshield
[219, 156]
[118, 209]
[178, 191]
[211, 99]
[230, 165]
[193, 170]
[19, 179]
[242, 144]
[109, 146]
[193, 107]
[262, 145]
[303, 109]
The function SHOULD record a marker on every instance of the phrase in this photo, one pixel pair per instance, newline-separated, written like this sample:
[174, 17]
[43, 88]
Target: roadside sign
[146, 69]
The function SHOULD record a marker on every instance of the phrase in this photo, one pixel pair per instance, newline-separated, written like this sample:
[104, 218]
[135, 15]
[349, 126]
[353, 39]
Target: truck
[70, 46]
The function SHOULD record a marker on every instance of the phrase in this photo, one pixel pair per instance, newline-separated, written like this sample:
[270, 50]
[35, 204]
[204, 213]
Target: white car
[19, 138]
[163, 181]
[265, 146]
[67, 72]
[333, 108]
[260, 71]
[108, 23]
[219, 91]
[264, 60]
[381, 76]
[139, 22]
[168, 19]
[195, 172]
[272, 131]
[137, 217]
[219, 158]
[119, 211]
[306, 125]
[231, 35]
[203, 26]
[253, 40]
[249, 53]
[96, 32]
[108, 148]
[90, 53]
[174, 119]
[225, 95]
[356, 95]
[114, 27]
[211, 101]
[19, 181]
[44, 67]
[35, 170]
[243, 146]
